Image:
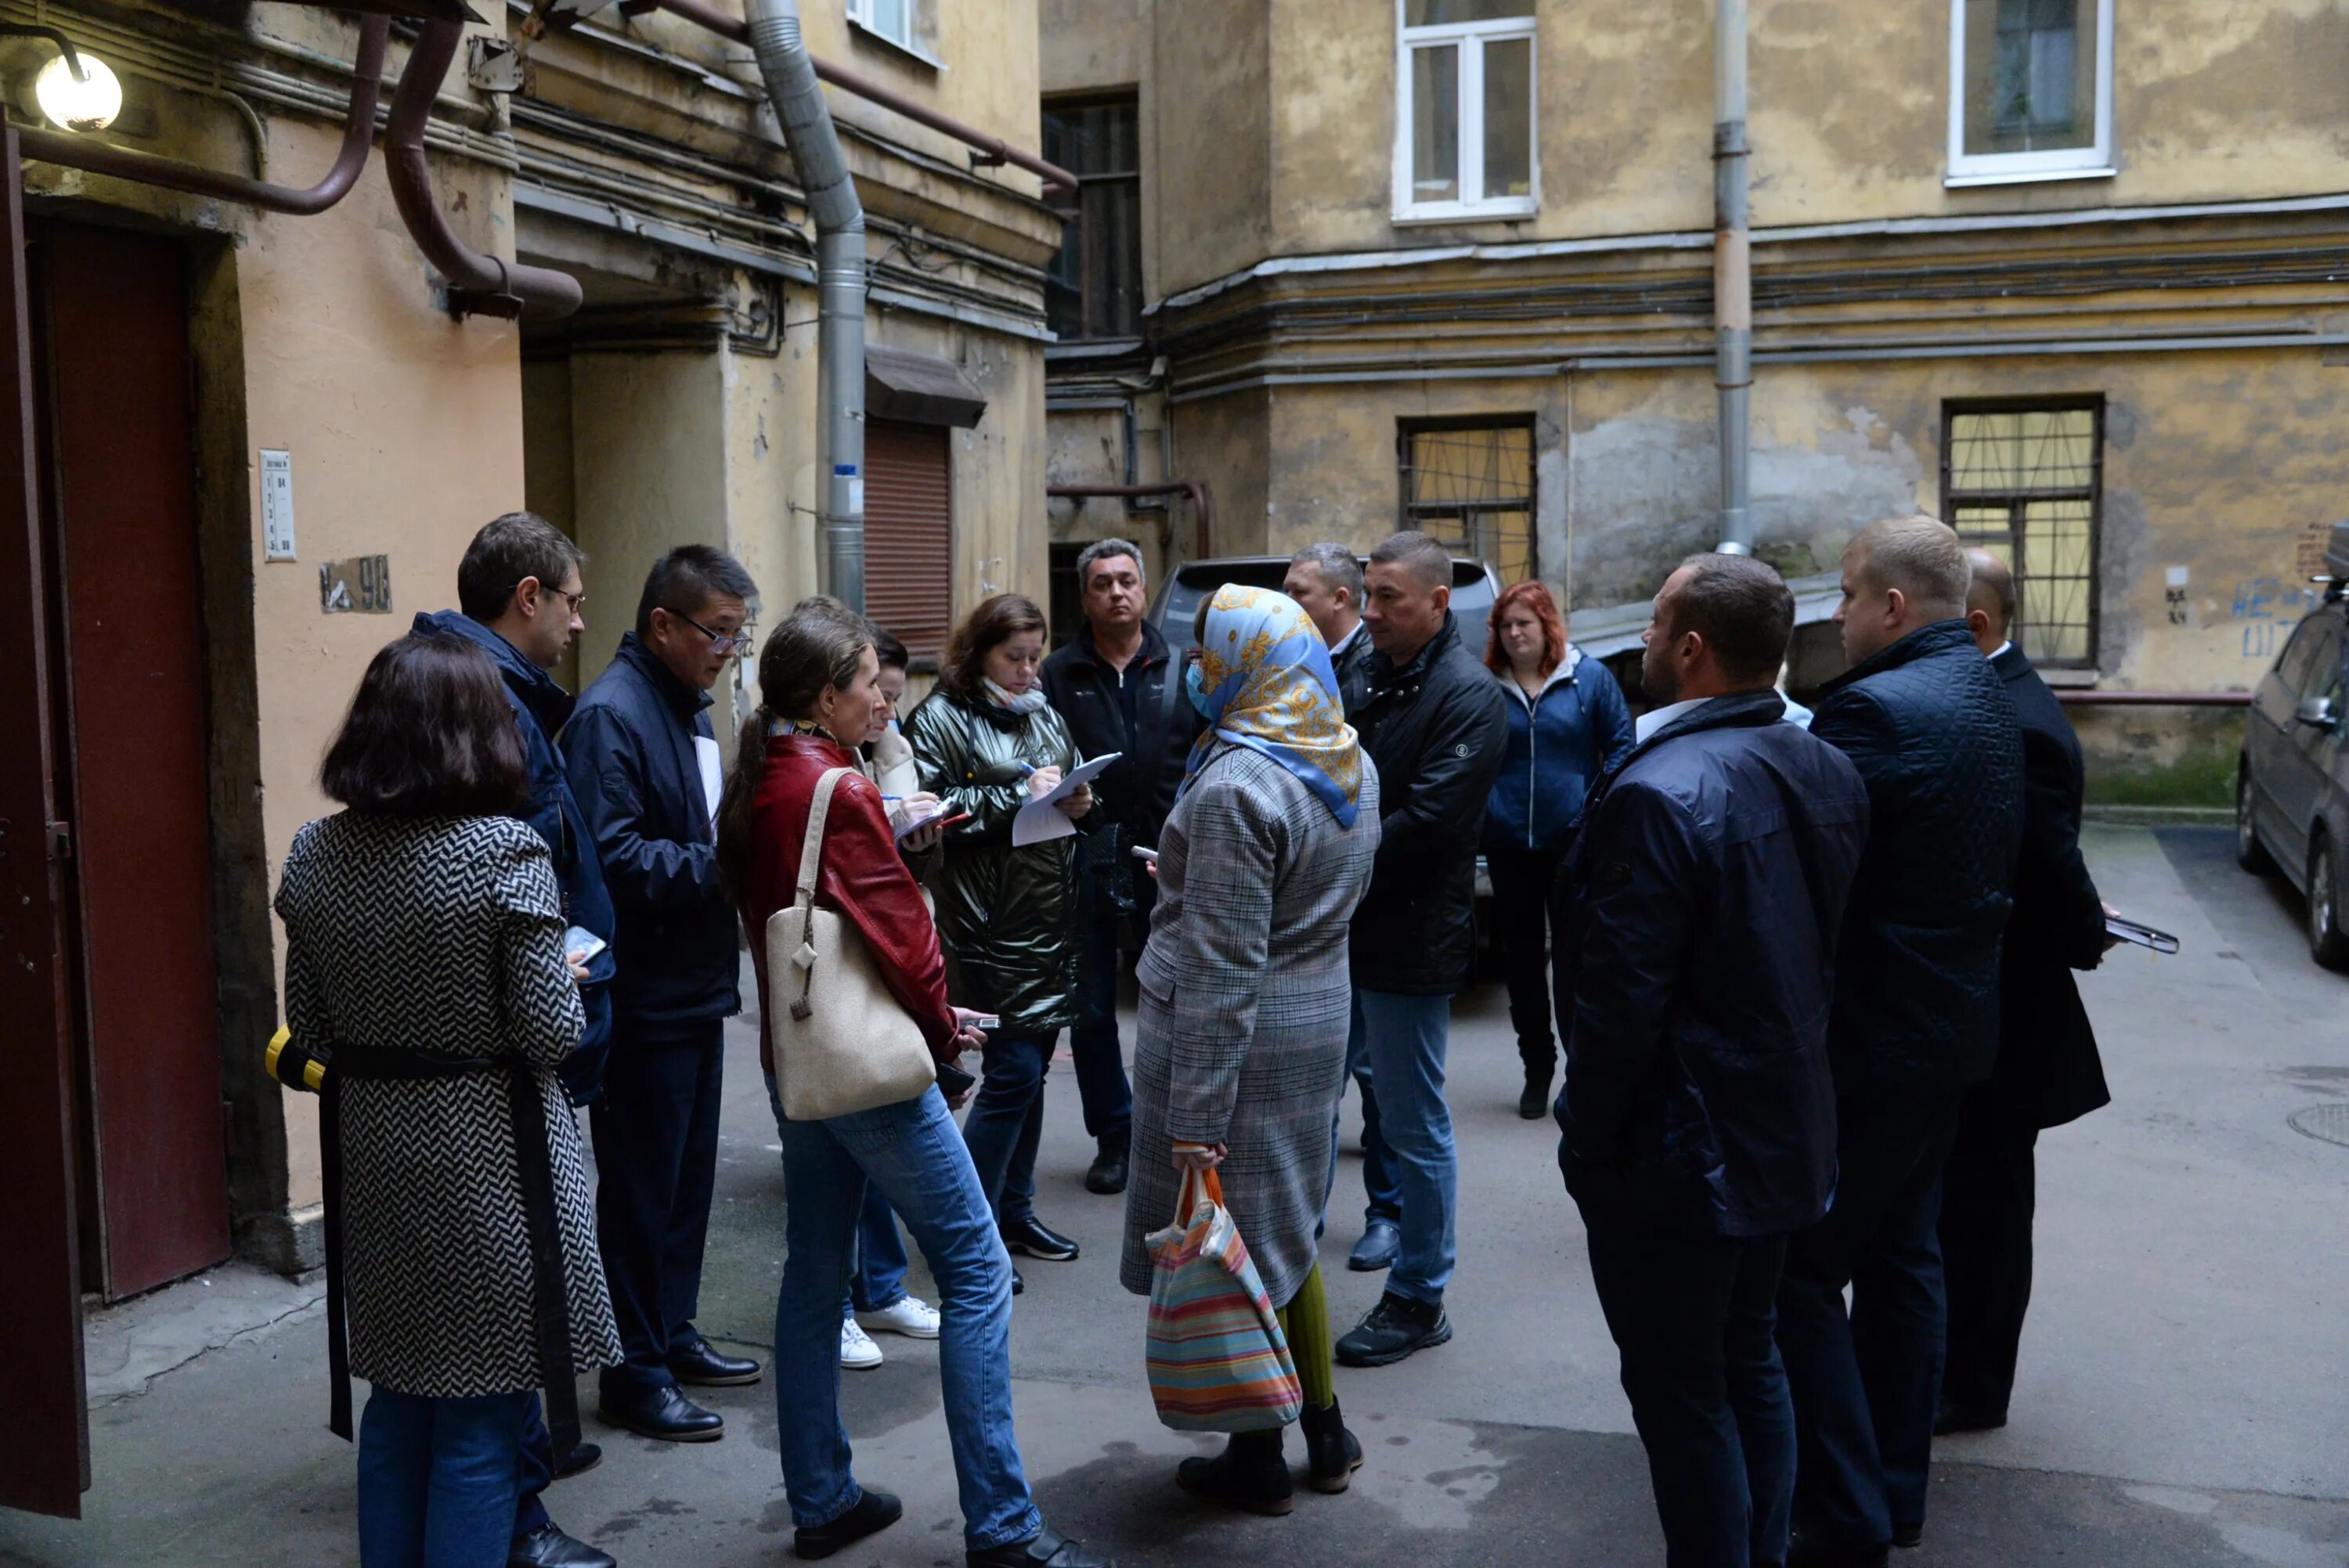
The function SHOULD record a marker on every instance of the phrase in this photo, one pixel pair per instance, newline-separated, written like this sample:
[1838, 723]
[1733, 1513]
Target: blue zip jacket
[630, 747]
[1560, 744]
[541, 708]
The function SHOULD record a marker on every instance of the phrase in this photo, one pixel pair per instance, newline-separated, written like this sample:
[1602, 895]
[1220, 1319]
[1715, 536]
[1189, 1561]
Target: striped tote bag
[1217, 1359]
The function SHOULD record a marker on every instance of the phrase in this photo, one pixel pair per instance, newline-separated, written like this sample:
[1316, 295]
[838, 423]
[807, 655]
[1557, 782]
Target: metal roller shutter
[909, 534]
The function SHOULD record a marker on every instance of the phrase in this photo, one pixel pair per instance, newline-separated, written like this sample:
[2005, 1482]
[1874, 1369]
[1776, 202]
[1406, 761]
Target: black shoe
[1333, 1454]
[662, 1413]
[1908, 1537]
[581, 1459]
[700, 1365]
[1018, 1286]
[1954, 1418]
[1029, 1239]
[1534, 1104]
[1381, 1240]
[873, 1512]
[1106, 1174]
[1041, 1550]
[548, 1547]
[1393, 1330]
[1250, 1475]
[1807, 1551]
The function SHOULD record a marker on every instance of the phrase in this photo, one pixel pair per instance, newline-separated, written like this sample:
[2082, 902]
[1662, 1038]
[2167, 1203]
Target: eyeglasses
[725, 645]
[573, 600]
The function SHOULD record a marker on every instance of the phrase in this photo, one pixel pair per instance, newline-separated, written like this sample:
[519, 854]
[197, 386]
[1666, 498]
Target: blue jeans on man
[1403, 1041]
[437, 1478]
[1866, 1381]
[914, 1156]
[1006, 1121]
[1093, 1040]
[1380, 1184]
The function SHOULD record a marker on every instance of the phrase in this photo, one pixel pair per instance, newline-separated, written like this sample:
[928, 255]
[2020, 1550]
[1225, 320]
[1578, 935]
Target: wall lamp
[76, 91]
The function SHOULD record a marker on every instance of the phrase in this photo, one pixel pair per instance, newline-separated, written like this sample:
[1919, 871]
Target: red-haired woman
[1567, 724]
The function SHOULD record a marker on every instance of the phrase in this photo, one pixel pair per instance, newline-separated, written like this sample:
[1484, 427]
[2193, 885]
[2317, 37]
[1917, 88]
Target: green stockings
[1306, 1321]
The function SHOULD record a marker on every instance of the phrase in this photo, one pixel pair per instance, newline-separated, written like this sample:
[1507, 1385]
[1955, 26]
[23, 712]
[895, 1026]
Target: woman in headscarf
[1241, 1050]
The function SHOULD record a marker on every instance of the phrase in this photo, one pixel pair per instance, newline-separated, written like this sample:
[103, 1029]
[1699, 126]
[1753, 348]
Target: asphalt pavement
[2181, 1400]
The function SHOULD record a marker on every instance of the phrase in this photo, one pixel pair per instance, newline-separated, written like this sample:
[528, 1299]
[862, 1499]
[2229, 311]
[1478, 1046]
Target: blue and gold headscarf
[1269, 685]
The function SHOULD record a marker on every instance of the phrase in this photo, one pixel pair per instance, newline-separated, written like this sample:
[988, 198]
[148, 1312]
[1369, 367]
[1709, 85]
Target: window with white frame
[1464, 109]
[893, 20]
[2031, 89]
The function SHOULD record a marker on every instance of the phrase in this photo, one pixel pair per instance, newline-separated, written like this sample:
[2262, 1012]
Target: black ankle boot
[1534, 1103]
[1250, 1475]
[1333, 1454]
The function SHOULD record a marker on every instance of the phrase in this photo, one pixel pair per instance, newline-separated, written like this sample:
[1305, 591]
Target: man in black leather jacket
[1928, 725]
[1430, 719]
[2048, 1072]
[1698, 920]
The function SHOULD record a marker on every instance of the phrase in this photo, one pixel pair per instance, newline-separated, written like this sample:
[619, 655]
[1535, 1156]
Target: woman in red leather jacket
[816, 677]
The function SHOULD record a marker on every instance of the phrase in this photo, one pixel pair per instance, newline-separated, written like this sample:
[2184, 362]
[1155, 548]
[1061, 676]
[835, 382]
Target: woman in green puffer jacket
[986, 742]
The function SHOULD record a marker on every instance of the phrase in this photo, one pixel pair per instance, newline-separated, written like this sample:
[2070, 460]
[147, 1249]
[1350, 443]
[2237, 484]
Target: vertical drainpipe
[839, 217]
[1733, 278]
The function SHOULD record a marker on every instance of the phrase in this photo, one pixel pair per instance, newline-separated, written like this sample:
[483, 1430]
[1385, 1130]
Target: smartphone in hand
[953, 1081]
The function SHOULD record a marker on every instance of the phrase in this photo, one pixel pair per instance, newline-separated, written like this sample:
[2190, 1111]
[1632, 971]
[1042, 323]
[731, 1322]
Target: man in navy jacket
[1927, 723]
[1699, 915]
[644, 764]
[519, 594]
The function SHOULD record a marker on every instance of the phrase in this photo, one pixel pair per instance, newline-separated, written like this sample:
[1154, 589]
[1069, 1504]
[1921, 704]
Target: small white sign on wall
[276, 505]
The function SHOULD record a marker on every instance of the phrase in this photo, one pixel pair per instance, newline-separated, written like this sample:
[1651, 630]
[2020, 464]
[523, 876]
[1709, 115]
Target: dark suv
[2291, 787]
[1474, 589]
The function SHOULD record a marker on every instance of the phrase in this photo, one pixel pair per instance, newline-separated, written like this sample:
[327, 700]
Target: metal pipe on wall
[478, 285]
[1203, 514]
[77, 151]
[1733, 276]
[814, 143]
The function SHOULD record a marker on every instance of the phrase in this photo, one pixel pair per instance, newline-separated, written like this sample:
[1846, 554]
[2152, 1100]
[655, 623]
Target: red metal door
[122, 499]
[44, 1441]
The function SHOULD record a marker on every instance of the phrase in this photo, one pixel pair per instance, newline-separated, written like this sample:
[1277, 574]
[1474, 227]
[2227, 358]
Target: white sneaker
[908, 1315]
[856, 1347]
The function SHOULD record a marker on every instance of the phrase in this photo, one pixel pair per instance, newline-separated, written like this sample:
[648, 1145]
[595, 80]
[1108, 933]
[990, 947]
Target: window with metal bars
[1093, 288]
[2025, 481]
[1470, 484]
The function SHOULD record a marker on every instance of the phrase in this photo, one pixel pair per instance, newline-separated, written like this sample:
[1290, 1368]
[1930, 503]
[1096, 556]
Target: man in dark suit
[1929, 726]
[2048, 1072]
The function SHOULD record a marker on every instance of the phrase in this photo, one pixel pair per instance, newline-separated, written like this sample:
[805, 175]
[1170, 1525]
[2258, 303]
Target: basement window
[1470, 485]
[1464, 110]
[2025, 481]
[2031, 90]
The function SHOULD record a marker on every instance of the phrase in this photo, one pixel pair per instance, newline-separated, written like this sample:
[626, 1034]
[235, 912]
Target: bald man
[1915, 1025]
[2048, 1072]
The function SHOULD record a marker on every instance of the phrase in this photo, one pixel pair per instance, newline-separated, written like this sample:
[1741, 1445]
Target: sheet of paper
[1040, 821]
[713, 774]
[906, 824]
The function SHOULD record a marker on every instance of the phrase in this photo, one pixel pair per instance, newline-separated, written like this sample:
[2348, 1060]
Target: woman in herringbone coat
[1240, 1052]
[424, 965]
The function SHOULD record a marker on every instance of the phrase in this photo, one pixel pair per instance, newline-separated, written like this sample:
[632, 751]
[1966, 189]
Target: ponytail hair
[816, 647]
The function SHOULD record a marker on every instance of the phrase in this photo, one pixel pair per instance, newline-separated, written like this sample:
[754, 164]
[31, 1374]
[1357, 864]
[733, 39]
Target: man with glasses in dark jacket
[643, 762]
[519, 596]
[1699, 914]
[1120, 690]
[1927, 723]
[1429, 717]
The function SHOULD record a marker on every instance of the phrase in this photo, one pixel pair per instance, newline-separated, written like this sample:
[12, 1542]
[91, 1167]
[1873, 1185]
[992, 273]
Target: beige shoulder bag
[842, 1043]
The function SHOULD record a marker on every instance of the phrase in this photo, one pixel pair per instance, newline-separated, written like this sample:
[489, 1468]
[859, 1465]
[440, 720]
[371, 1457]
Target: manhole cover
[2329, 1122]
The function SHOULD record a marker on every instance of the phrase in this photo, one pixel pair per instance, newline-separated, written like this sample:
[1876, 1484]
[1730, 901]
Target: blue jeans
[1404, 1040]
[1692, 1316]
[437, 1479]
[1381, 1184]
[879, 1280]
[912, 1154]
[1006, 1121]
[1866, 1381]
[536, 1474]
[1092, 1041]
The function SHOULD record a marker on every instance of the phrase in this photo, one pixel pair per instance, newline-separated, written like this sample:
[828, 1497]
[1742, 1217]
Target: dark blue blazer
[634, 767]
[1698, 916]
[541, 707]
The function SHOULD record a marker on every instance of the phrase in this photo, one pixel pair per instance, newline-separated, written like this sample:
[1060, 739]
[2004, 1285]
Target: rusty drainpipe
[1202, 513]
[1733, 276]
[991, 150]
[83, 153]
[478, 285]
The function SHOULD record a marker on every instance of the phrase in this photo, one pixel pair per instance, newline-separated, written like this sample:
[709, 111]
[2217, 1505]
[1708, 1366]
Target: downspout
[478, 285]
[1732, 275]
[831, 201]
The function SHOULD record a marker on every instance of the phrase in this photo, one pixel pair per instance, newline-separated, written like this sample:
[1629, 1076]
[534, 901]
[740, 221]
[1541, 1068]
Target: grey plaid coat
[1244, 1005]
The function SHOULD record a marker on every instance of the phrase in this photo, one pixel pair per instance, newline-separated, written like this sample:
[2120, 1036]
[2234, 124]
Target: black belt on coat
[537, 1170]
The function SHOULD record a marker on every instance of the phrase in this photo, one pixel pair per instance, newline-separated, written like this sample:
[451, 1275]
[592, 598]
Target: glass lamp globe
[74, 104]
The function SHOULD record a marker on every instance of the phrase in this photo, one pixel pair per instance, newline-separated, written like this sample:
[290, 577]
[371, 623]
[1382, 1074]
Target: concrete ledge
[291, 1244]
[2159, 816]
